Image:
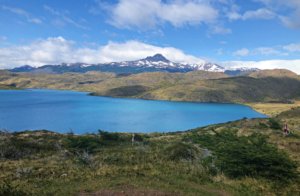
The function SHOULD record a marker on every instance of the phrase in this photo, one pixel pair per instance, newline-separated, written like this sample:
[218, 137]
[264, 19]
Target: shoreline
[121, 132]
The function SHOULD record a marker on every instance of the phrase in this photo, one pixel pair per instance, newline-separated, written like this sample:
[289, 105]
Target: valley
[191, 162]
[180, 163]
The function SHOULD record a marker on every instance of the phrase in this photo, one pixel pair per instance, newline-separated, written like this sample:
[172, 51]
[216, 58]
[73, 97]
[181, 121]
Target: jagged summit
[157, 58]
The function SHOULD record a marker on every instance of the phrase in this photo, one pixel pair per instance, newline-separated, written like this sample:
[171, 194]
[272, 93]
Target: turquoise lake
[65, 111]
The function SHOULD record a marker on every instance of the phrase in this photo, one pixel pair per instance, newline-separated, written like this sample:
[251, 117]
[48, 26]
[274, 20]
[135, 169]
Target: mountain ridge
[153, 63]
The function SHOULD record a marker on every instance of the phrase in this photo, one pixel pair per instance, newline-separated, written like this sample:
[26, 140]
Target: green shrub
[16, 148]
[109, 136]
[138, 138]
[248, 156]
[182, 151]
[7, 189]
[83, 143]
[262, 125]
[274, 124]
[209, 163]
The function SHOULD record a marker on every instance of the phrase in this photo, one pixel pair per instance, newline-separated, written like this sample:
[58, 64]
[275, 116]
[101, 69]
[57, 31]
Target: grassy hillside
[273, 109]
[193, 86]
[55, 81]
[236, 89]
[246, 157]
[274, 73]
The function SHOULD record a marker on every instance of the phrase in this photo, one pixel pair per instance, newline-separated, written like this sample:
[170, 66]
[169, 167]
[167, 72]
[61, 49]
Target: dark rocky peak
[156, 58]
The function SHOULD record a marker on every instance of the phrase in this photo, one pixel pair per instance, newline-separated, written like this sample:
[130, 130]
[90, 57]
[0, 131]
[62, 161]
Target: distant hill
[199, 86]
[240, 71]
[273, 73]
[235, 89]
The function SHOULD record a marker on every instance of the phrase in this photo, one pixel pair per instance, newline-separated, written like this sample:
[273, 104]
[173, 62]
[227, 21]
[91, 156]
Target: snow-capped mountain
[209, 67]
[158, 61]
[149, 64]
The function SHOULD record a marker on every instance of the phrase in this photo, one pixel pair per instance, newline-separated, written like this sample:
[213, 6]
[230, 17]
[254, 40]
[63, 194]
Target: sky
[233, 33]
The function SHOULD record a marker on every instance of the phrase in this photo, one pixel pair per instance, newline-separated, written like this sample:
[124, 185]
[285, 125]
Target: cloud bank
[144, 15]
[261, 13]
[293, 65]
[288, 11]
[148, 14]
[279, 50]
[55, 50]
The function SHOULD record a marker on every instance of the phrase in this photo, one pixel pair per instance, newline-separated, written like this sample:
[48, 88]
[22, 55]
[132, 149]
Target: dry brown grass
[273, 109]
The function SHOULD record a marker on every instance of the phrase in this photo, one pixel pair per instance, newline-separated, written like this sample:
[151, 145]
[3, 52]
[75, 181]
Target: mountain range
[149, 64]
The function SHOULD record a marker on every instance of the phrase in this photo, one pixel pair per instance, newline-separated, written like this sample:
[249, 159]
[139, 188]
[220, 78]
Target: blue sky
[260, 33]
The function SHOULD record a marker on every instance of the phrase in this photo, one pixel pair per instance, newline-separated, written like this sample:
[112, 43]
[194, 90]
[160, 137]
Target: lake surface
[65, 111]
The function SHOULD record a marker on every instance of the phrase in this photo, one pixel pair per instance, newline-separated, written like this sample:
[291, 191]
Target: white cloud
[148, 14]
[292, 22]
[242, 52]
[36, 53]
[62, 18]
[261, 13]
[23, 13]
[263, 51]
[267, 51]
[233, 15]
[293, 65]
[287, 10]
[57, 50]
[295, 47]
[220, 30]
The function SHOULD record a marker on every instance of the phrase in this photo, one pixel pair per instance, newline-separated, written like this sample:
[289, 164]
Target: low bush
[117, 138]
[274, 124]
[83, 143]
[262, 125]
[109, 136]
[138, 138]
[8, 189]
[241, 156]
[16, 148]
[182, 151]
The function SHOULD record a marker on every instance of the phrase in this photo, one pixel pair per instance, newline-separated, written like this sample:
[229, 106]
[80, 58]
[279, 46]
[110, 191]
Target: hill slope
[237, 89]
[279, 73]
